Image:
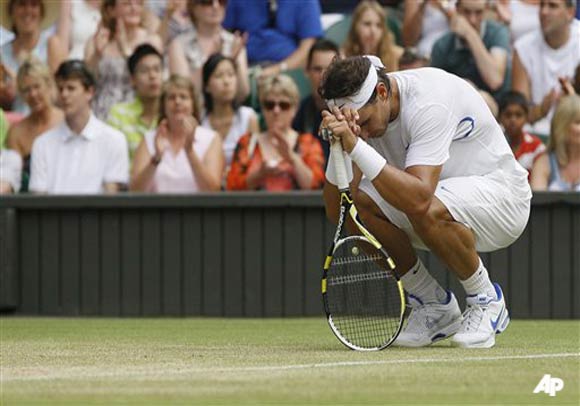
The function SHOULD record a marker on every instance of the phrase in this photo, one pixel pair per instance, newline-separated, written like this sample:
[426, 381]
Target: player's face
[513, 119]
[374, 118]
[555, 16]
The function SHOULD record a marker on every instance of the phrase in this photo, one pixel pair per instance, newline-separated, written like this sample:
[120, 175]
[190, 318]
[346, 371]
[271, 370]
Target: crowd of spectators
[103, 96]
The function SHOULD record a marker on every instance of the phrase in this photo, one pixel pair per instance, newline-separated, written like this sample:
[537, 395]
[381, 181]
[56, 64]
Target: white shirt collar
[89, 132]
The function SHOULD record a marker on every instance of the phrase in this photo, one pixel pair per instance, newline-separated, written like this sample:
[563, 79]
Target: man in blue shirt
[281, 32]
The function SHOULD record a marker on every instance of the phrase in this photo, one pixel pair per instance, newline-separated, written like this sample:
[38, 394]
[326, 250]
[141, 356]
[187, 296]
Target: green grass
[246, 361]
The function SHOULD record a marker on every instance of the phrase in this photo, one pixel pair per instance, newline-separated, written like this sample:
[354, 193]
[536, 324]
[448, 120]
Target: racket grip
[339, 165]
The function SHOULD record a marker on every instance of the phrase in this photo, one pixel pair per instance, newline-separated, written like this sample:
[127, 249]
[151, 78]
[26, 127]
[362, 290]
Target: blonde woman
[559, 168]
[369, 35]
[119, 33]
[37, 89]
[179, 156]
[278, 159]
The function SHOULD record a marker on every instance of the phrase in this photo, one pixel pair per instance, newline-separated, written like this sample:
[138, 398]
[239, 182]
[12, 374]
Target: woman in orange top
[278, 159]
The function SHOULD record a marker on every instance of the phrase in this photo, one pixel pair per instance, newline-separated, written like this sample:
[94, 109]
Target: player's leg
[470, 214]
[435, 313]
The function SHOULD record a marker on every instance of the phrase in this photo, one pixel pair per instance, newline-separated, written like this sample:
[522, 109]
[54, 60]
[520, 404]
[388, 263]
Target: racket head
[363, 297]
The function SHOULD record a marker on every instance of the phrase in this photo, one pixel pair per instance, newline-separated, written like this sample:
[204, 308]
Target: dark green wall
[242, 254]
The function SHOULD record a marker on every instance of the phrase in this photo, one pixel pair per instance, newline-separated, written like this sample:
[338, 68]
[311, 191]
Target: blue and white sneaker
[430, 322]
[484, 317]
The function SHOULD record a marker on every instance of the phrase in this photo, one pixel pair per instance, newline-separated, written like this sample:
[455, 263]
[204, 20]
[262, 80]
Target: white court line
[161, 369]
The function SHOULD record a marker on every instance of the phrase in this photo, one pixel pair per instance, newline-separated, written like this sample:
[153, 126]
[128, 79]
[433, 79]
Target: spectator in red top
[513, 114]
[278, 159]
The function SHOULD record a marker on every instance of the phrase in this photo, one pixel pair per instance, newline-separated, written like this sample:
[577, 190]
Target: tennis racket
[363, 296]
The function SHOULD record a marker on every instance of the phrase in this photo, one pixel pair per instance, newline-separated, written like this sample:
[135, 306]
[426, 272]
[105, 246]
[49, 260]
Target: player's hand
[339, 128]
[567, 87]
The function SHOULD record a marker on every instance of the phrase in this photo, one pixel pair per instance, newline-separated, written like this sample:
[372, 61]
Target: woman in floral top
[278, 159]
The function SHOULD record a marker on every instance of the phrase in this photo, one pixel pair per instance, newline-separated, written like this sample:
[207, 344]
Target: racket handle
[339, 165]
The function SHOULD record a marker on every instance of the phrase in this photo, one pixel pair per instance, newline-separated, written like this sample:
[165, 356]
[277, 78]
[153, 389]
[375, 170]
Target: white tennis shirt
[63, 162]
[444, 121]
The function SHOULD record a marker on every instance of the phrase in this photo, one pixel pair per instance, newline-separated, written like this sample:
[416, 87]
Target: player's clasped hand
[342, 125]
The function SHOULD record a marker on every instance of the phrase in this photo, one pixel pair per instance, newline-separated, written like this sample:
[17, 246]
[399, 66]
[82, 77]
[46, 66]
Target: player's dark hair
[322, 45]
[141, 52]
[513, 98]
[344, 77]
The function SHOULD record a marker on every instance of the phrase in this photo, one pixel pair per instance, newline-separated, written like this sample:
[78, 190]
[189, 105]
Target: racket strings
[362, 296]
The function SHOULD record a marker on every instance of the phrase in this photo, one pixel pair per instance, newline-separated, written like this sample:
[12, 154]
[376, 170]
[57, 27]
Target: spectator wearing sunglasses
[189, 51]
[278, 159]
[82, 155]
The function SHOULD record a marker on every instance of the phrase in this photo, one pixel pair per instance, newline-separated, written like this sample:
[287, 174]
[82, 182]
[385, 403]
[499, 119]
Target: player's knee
[425, 223]
[368, 210]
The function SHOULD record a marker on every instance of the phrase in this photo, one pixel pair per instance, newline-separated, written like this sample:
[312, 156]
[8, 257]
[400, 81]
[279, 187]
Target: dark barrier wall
[242, 254]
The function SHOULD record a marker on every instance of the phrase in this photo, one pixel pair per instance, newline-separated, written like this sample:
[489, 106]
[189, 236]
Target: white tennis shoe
[484, 317]
[430, 322]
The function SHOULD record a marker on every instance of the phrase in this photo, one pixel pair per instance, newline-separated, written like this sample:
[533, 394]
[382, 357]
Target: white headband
[360, 98]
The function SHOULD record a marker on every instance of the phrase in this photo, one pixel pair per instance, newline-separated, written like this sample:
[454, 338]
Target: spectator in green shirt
[3, 128]
[139, 116]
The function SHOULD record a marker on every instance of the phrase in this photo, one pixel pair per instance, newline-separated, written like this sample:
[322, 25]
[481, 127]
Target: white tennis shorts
[493, 207]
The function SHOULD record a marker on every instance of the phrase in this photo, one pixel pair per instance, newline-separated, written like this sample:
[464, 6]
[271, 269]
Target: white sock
[479, 283]
[419, 283]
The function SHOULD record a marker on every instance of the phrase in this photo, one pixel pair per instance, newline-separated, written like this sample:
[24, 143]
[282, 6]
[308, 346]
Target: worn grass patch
[286, 361]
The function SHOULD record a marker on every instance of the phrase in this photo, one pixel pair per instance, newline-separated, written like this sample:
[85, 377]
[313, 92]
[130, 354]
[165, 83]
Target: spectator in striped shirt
[513, 113]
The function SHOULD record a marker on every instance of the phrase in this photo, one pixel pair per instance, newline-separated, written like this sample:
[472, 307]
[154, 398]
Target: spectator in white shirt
[10, 171]
[83, 155]
[546, 59]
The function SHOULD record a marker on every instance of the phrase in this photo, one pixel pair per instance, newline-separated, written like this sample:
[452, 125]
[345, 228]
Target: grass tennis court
[289, 361]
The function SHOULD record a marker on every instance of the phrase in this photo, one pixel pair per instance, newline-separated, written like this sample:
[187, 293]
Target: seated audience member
[280, 33]
[424, 22]
[369, 35]
[411, 59]
[475, 49]
[309, 115]
[82, 155]
[559, 169]
[521, 16]
[120, 32]
[10, 162]
[27, 19]
[180, 156]
[37, 89]
[278, 159]
[137, 117]
[10, 171]
[188, 52]
[175, 20]
[77, 23]
[4, 126]
[543, 58]
[223, 114]
[513, 114]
